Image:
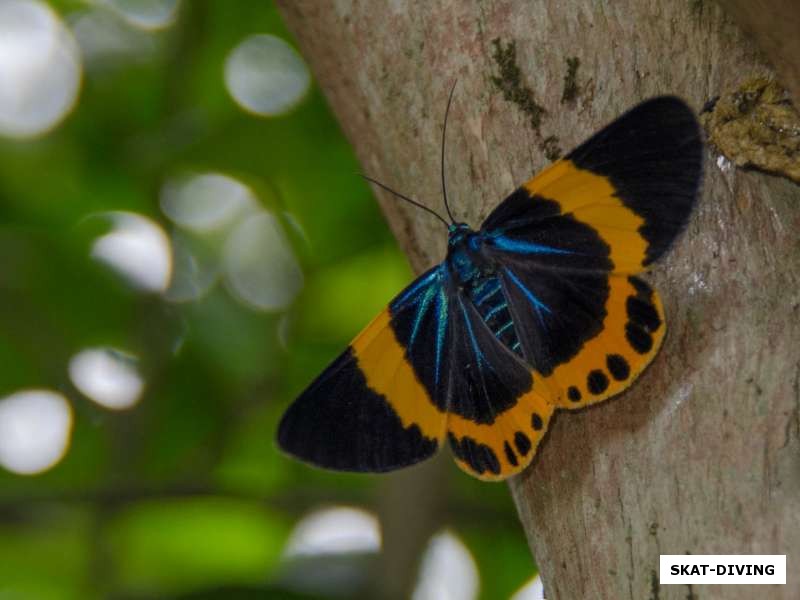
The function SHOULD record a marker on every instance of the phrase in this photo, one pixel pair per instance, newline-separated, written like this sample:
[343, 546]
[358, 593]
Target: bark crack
[793, 422]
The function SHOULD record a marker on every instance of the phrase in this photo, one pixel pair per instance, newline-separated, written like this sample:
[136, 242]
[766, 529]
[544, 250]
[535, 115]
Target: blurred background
[184, 246]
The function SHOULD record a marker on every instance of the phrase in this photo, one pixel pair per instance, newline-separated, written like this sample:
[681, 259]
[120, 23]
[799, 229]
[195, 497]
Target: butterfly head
[457, 233]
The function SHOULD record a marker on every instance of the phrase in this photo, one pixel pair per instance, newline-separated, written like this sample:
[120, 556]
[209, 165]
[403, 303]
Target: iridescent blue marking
[537, 304]
[521, 247]
[421, 310]
[415, 289]
[472, 339]
[516, 346]
[482, 286]
[487, 291]
[487, 296]
[474, 243]
[500, 331]
[500, 307]
[441, 329]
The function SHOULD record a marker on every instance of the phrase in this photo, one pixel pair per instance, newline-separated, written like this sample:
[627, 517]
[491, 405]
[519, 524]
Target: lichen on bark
[757, 126]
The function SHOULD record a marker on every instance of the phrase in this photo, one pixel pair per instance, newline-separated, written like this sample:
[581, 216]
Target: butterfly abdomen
[492, 304]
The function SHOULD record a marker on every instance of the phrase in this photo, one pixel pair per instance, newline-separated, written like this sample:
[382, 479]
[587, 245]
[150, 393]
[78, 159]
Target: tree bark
[702, 454]
[774, 25]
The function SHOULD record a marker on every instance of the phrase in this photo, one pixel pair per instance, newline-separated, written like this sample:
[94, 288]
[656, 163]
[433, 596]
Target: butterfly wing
[634, 184]
[588, 335]
[498, 409]
[367, 411]
[570, 240]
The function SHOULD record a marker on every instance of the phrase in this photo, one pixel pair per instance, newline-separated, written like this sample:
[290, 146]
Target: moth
[541, 309]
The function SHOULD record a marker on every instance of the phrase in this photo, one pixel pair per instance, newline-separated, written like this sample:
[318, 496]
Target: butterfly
[541, 309]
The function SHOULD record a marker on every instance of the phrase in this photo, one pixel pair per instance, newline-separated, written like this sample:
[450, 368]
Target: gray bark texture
[702, 454]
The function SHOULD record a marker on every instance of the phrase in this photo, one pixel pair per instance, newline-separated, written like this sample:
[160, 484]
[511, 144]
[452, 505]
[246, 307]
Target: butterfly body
[539, 309]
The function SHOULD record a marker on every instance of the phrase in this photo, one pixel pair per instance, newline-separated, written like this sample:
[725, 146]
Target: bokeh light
[206, 202]
[265, 75]
[146, 14]
[532, 590]
[35, 427]
[40, 69]
[106, 39]
[138, 249]
[259, 265]
[448, 571]
[107, 376]
[335, 530]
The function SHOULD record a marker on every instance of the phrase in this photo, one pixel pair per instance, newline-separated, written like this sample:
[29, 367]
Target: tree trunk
[702, 455]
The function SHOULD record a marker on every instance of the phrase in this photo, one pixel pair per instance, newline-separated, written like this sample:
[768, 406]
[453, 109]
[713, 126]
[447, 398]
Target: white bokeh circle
[137, 248]
[265, 75]
[40, 69]
[35, 428]
[206, 201]
[106, 376]
[259, 265]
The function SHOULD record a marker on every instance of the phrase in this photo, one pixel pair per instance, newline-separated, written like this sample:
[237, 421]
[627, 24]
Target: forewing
[368, 411]
[627, 192]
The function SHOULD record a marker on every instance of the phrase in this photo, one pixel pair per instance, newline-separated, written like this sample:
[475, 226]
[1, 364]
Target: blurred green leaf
[46, 556]
[172, 545]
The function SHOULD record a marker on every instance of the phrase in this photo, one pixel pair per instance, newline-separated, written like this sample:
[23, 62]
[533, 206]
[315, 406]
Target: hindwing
[569, 241]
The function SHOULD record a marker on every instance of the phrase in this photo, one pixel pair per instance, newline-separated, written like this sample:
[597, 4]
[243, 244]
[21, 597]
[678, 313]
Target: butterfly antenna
[407, 199]
[444, 137]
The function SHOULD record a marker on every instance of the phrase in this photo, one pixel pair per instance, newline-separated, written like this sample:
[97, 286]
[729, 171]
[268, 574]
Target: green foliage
[185, 494]
[175, 545]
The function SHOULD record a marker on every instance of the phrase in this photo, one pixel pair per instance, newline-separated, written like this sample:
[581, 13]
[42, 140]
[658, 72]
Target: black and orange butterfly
[540, 309]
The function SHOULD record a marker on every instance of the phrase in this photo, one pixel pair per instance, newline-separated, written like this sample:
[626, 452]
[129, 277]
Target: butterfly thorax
[474, 274]
[464, 260]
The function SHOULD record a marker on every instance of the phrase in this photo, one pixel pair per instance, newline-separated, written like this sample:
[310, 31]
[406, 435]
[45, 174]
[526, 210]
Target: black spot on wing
[642, 312]
[480, 457]
[640, 308]
[536, 422]
[597, 382]
[643, 318]
[522, 442]
[618, 367]
[339, 423]
[639, 339]
[574, 394]
[653, 156]
[510, 456]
